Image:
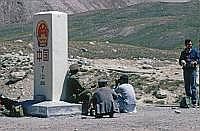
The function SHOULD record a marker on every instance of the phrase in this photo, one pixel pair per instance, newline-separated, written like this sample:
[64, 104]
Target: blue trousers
[124, 107]
[190, 76]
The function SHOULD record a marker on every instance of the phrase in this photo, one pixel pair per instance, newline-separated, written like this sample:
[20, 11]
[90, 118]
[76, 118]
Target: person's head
[74, 68]
[188, 43]
[123, 79]
[102, 83]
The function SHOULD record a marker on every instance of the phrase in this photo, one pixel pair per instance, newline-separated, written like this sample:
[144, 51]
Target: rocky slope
[155, 81]
[21, 11]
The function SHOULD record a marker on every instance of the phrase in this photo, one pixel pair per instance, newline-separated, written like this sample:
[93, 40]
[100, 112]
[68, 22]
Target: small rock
[147, 67]
[161, 94]
[21, 87]
[18, 41]
[84, 50]
[174, 107]
[20, 53]
[71, 57]
[18, 75]
[15, 77]
[176, 73]
[91, 43]
[4, 48]
[83, 62]
[71, 115]
[30, 46]
[148, 101]
[177, 111]
[101, 51]
[160, 102]
[114, 50]
[83, 117]
[75, 129]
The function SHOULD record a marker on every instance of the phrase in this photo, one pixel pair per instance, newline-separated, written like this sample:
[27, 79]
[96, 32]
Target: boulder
[15, 77]
[161, 94]
[145, 66]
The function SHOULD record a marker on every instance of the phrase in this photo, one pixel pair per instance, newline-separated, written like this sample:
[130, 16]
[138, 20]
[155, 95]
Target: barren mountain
[21, 11]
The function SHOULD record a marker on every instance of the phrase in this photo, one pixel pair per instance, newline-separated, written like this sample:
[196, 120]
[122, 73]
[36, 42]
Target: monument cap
[74, 67]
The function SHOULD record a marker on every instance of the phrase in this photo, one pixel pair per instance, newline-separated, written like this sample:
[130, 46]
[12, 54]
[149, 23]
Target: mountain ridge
[21, 11]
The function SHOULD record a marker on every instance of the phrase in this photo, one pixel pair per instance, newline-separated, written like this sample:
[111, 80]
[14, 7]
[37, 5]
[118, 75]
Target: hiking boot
[92, 112]
[195, 105]
[124, 111]
[98, 116]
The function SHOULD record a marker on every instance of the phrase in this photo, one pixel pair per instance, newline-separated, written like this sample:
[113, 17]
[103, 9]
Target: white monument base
[50, 108]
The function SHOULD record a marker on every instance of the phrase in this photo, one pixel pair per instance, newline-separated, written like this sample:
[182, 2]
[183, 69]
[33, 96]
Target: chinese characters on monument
[42, 52]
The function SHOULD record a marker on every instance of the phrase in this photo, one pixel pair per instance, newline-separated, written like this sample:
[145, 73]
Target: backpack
[16, 111]
[185, 102]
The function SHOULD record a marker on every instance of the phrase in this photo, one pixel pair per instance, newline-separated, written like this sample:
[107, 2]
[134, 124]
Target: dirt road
[147, 118]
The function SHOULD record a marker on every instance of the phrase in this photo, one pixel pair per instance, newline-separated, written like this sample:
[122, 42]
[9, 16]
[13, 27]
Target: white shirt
[127, 92]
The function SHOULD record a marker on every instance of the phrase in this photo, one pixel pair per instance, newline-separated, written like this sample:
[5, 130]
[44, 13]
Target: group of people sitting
[104, 100]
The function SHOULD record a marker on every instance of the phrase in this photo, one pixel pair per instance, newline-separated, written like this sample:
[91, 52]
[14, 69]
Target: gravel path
[148, 118]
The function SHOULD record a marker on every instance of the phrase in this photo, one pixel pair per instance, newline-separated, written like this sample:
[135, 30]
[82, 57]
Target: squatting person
[126, 95]
[75, 92]
[103, 100]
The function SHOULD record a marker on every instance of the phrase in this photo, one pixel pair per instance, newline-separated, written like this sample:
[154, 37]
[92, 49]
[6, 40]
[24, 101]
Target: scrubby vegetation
[156, 25]
[120, 51]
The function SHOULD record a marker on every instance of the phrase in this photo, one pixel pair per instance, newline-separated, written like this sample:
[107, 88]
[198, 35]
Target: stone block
[50, 108]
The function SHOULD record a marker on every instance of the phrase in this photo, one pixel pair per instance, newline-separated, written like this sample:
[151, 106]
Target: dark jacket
[189, 56]
[103, 100]
[75, 92]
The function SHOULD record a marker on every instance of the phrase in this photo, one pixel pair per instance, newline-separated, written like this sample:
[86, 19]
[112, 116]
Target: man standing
[126, 97]
[188, 60]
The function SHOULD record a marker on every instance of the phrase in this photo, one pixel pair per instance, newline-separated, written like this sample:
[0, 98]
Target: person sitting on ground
[126, 95]
[75, 92]
[103, 100]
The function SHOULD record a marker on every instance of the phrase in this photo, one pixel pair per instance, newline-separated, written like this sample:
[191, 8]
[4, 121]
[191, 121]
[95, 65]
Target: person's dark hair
[73, 71]
[187, 41]
[74, 68]
[102, 83]
[123, 79]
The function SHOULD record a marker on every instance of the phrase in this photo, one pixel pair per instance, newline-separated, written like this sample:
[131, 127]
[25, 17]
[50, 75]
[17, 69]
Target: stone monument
[50, 65]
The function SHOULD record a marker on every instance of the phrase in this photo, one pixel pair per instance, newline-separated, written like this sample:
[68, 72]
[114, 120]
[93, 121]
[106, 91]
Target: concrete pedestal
[50, 108]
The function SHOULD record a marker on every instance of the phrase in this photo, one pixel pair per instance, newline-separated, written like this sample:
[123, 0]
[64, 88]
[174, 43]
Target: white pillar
[50, 53]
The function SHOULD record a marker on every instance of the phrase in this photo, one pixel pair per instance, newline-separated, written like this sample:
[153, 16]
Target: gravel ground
[147, 118]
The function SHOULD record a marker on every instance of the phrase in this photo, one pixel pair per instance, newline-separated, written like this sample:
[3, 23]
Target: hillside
[156, 25]
[21, 11]
[160, 25]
